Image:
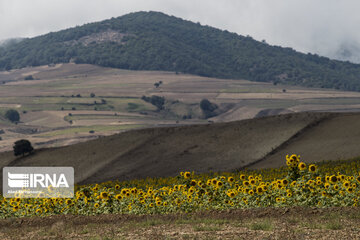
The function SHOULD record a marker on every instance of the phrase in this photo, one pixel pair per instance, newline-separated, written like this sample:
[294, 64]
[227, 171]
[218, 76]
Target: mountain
[156, 41]
[8, 42]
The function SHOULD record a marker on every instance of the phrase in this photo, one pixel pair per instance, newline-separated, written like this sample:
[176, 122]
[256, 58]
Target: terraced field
[57, 107]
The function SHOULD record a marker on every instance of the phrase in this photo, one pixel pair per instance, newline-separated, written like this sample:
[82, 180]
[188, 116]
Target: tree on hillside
[30, 77]
[208, 108]
[12, 115]
[22, 146]
[155, 100]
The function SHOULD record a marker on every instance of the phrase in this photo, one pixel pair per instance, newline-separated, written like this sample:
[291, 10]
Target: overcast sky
[325, 27]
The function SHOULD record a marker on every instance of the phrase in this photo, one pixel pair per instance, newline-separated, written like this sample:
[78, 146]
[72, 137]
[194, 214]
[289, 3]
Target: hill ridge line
[292, 138]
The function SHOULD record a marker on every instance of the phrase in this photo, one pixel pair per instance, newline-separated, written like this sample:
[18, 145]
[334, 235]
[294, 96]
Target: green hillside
[155, 41]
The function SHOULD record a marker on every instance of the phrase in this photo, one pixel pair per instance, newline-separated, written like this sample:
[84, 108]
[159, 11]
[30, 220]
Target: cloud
[326, 27]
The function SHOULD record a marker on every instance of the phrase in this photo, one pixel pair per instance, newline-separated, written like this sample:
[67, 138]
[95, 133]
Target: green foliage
[155, 41]
[30, 77]
[208, 108]
[12, 115]
[155, 100]
[22, 146]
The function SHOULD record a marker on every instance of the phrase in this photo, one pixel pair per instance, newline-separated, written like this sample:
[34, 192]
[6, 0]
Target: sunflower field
[335, 183]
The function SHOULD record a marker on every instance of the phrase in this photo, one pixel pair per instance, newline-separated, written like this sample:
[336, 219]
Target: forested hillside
[156, 41]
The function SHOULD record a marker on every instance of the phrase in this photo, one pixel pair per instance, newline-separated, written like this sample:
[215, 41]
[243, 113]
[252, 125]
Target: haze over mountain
[155, 41]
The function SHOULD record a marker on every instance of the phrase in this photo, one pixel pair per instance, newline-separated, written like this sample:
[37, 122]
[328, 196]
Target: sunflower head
[231, 179]
[312, 168]
[302, 166]
[118, 197]
[104, 195]
[333, 179]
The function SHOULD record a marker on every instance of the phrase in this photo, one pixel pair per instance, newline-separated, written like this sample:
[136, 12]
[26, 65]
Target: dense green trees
[12, 115]
[155, 41]
[22, 146]
[208, 108]
[155, 100]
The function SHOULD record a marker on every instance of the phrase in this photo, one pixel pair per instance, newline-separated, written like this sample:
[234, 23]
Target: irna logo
[18, 180]
[38, 182]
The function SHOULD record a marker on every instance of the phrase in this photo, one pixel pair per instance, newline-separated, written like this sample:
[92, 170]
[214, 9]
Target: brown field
[165, 151]
[269, 223]
[42, 120]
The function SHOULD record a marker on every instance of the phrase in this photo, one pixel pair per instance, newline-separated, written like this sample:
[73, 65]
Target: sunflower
[187, 175]
[193, 183]
[117, 186]
[350, 190]
[219, 184]
[213, 181]
[336, 187]
[246, 183]
[259, 190]
[346, 184]
[96, 205]
[118, 197]
[302, 166]
[230, 179]
[312, 168]
[333, 179]
[41, 195]
[358, 179]
[50, 188]
[284, 182]
[242, 177]
[104, 195]
[68, 201]
[177, 201]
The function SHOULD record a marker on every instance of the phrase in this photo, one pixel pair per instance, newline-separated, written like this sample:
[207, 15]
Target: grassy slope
[335, 138]
[202, 148]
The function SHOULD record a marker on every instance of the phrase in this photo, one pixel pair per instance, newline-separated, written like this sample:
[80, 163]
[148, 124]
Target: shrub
[12, 115]
[22, 146]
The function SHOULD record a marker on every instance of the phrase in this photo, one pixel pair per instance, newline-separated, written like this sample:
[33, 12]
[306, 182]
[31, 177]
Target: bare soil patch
[268, 223]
